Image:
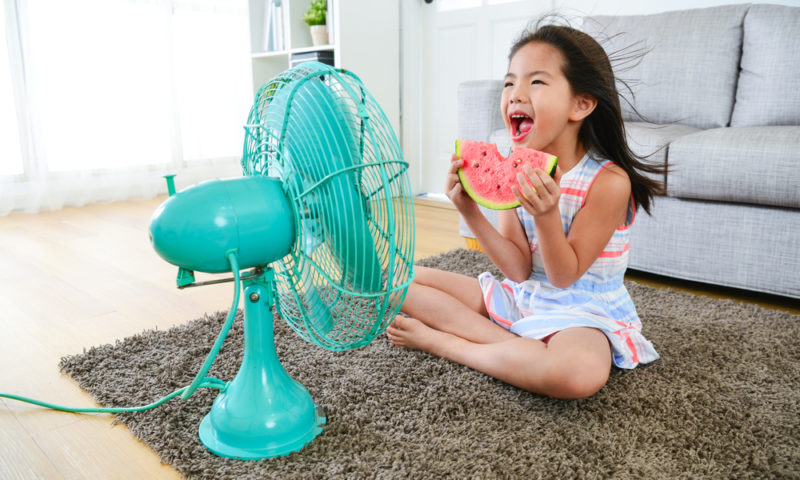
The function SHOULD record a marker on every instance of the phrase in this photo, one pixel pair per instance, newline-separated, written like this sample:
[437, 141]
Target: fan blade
[322, 146]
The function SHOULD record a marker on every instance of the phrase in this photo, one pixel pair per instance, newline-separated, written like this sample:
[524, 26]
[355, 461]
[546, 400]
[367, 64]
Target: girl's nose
[516, 96]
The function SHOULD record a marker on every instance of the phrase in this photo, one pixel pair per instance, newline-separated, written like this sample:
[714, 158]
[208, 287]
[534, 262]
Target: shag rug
[722, 402]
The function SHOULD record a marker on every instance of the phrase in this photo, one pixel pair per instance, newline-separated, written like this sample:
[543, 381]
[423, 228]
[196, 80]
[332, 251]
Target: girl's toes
[400, 323]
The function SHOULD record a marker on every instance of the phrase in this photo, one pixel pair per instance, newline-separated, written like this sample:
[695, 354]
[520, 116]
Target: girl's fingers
[528, 184]
[452, 179]
[452, 191]
[537, 192]
[453, 170]
[541, 181]
[529, 203]
[520, 197]
[526, 195]
[548, 183]
[557, 174]
[452, 173]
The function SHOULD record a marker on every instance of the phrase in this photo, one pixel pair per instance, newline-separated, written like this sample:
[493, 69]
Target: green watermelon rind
[482, 201]
[551, 170]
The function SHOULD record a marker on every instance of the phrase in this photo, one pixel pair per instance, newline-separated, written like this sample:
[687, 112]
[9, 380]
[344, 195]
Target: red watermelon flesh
[487, 176]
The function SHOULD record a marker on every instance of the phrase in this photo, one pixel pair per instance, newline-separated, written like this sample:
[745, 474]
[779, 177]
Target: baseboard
[436, 200]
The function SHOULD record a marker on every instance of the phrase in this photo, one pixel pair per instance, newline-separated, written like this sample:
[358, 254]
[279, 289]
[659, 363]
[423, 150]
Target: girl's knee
[581, 375]
[421, 276]
[425, 275]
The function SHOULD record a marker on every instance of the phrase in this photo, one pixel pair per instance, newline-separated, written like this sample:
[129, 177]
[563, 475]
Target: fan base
[263, 412]
[242, 451]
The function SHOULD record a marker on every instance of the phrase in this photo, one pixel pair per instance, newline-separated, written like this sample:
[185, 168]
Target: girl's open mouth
[521, 125]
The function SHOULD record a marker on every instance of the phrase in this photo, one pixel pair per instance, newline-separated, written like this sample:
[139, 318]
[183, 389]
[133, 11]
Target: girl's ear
[584, 104]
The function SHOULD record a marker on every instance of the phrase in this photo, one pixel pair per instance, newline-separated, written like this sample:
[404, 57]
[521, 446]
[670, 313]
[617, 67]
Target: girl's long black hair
[588, 71]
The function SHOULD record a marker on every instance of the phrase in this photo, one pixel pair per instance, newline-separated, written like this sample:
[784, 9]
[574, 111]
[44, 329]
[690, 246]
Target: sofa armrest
[479, 109]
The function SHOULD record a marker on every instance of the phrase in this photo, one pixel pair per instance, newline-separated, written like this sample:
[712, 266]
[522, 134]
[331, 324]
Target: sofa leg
[472, 244]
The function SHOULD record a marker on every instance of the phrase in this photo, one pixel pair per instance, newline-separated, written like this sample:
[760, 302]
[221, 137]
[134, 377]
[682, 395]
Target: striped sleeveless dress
[536, 309]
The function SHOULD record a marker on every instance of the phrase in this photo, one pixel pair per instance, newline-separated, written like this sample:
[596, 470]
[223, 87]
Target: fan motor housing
[197, 227]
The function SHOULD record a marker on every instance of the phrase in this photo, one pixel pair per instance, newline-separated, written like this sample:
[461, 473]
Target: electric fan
[323, 217]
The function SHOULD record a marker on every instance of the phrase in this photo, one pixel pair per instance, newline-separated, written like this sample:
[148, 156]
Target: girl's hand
[537, 192]
[455, 191]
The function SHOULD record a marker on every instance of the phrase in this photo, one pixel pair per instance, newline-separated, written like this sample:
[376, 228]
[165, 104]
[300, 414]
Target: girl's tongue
[522, 128]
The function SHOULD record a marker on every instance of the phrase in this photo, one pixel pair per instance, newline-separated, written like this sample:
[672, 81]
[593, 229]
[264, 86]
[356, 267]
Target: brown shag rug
[722, 402]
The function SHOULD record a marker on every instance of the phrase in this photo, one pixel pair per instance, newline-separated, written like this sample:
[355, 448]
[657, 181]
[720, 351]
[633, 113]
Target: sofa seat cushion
[768, 92]
[757, 165]
[743, 246]
[688, 75]
[651, 141]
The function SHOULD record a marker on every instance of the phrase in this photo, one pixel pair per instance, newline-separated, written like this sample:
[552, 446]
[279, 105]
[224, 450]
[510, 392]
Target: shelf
[280, 53]
[320, 48]
[363, 35]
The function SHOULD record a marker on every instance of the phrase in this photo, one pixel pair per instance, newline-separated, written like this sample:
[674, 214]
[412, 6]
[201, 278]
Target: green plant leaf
[316, 13]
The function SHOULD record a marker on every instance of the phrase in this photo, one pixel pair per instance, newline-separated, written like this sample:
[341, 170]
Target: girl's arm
[567, 257]
[507, 246]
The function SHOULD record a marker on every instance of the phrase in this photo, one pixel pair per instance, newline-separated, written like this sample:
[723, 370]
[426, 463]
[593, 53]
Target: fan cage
[325, 137]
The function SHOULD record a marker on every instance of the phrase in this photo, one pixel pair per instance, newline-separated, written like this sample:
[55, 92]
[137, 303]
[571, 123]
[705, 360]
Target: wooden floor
[86, 276]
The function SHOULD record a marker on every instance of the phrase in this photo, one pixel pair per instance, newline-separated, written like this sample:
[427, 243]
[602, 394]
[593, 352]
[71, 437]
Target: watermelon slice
[488, 176]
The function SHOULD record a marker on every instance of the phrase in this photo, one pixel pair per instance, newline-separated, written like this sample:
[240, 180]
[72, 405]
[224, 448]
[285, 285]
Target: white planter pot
[319, 35]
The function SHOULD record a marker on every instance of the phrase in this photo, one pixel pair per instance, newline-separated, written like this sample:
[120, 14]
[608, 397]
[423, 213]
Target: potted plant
[315, 18]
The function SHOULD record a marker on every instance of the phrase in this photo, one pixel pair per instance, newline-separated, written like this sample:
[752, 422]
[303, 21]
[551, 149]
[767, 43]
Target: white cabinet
[364, 38]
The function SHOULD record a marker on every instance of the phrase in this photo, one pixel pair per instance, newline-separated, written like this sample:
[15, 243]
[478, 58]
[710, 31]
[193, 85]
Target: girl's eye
[507, 84]
[537, 82]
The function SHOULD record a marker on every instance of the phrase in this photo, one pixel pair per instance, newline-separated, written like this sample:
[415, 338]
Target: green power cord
[200, 380]
[207, 383]
[234, 262]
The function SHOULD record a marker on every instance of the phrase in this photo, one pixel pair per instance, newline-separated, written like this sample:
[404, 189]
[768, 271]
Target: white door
[446, 42]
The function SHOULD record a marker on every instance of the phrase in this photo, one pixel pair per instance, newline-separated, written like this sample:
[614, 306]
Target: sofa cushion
[651, 141]
[768, 92]
[738, 164]
[689, 75]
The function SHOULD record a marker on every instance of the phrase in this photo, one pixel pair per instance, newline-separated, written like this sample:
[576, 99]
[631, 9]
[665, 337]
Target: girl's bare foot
[410, 333]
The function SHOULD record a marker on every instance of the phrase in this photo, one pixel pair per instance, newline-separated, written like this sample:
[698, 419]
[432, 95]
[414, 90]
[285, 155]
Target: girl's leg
[463, 288]
[575, 363]
[452, 303]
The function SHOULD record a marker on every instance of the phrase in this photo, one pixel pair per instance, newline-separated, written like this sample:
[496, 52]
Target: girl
[563, 315]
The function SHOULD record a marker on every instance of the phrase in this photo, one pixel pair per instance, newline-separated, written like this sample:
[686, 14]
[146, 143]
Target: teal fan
[323, 217]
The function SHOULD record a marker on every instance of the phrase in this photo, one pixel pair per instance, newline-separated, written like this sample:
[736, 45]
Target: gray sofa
[720, 89]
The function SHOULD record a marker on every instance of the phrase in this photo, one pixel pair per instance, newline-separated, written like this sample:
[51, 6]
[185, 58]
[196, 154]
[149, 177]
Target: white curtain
[10, 148]
[109, 95]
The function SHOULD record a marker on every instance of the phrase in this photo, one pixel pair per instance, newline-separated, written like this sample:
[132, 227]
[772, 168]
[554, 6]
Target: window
[214, 85]
[98, 73]
[447, 5]
[115, 94]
